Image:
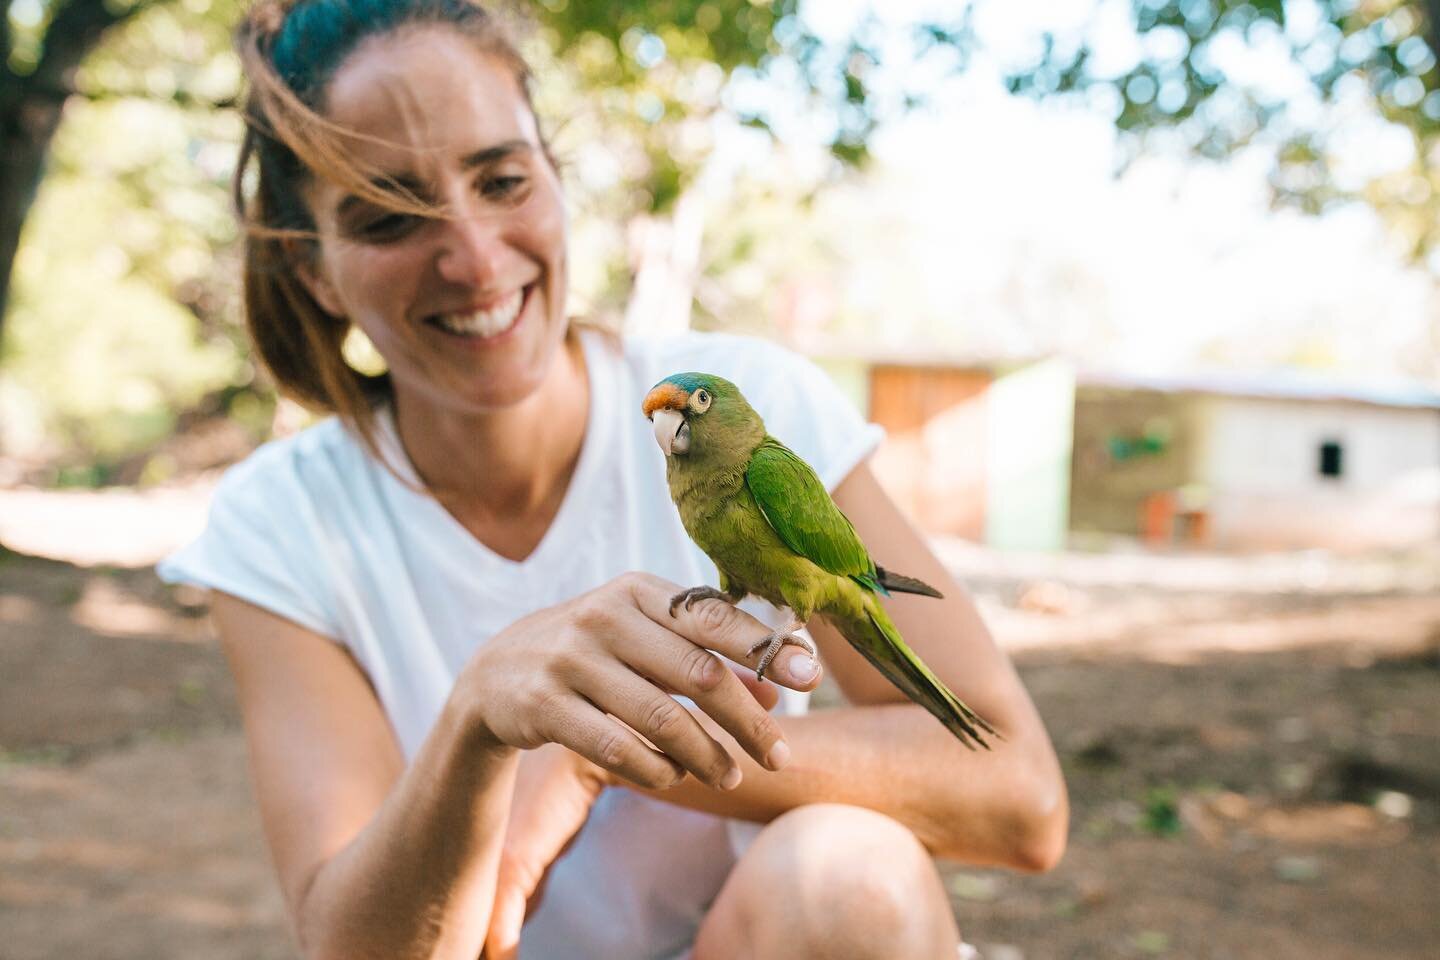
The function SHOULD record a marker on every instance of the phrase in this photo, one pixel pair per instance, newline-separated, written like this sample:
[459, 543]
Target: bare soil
[1252, 773]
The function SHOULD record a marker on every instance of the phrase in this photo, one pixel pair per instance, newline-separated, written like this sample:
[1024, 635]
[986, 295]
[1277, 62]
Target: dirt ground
[1254, 767]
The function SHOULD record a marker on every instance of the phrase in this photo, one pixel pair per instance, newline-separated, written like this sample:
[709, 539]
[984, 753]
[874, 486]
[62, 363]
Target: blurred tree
[1306, 78]
[41, 45]
[123, 295]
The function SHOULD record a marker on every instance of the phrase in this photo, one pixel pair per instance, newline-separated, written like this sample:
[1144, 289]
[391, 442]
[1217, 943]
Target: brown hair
[290, 50]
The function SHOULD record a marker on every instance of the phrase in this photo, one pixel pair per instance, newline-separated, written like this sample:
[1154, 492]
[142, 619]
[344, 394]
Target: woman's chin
[505, 386]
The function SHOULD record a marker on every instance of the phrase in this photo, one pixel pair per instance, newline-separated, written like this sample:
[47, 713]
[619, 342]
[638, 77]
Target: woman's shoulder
[287, 466]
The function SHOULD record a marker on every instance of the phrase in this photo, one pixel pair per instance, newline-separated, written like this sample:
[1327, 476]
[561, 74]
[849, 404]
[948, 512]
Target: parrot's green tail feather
[908, 672]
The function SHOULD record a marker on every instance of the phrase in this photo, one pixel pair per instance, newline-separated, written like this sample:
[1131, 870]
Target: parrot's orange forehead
[665, 395]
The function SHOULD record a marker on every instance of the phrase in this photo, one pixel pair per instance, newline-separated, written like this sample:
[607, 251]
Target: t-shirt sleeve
[261, 543]
[805, 409]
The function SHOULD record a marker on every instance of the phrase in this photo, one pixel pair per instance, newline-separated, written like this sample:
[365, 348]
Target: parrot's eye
[701, 401]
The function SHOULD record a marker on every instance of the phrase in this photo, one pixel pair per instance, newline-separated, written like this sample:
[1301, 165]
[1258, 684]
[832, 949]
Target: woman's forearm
[1006, 806]
[419, 880]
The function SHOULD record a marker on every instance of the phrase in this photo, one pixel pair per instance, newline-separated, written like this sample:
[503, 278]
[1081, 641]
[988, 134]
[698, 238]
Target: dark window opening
[1332, 459]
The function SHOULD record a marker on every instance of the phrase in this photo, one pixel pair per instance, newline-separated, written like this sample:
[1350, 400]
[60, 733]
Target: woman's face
[468, 311]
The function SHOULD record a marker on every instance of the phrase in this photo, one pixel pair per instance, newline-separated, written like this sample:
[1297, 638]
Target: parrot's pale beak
[671, 431]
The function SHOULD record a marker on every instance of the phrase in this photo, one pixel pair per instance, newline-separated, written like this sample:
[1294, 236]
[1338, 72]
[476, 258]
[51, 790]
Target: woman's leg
[835, 882]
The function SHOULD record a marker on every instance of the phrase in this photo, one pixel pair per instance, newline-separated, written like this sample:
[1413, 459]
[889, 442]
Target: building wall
[1129, 445]
[933, 461]
[1031, 426]
[978, 454]
[1259, 463]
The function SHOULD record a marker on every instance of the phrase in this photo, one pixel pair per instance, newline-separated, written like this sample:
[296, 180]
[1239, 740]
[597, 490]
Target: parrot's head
[698, 414]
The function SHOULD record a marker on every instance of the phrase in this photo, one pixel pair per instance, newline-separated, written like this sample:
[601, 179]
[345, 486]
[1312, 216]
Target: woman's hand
[594, 672]
[554, 791]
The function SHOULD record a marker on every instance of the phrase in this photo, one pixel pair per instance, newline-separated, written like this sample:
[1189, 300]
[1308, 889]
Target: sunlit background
[1144, 293]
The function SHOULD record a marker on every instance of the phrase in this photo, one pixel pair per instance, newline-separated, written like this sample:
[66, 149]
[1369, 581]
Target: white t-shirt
[314, 529]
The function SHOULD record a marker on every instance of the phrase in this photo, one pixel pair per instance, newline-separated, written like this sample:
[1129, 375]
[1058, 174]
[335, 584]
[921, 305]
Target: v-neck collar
[579, 494]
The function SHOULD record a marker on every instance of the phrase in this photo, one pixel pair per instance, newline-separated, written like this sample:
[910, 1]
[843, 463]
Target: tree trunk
[664, 256]
[24, 139]
[30, 107]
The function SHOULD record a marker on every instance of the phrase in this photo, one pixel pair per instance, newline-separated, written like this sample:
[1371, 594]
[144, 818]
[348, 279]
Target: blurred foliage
[1161, 811]
[124, 309]
[125, 290]
[1304, 78]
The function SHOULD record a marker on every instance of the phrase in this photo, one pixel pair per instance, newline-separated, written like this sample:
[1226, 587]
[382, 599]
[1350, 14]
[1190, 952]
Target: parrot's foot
[688, 597]
[774, 642]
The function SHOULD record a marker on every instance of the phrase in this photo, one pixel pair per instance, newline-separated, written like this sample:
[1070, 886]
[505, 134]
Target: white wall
[1259, 461]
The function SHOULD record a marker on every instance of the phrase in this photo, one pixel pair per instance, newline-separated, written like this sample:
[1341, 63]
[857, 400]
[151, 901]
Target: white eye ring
[702, 400]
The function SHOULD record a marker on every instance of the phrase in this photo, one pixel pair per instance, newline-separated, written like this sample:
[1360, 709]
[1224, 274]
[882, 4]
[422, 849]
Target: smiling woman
[456, 222]
[448, 607]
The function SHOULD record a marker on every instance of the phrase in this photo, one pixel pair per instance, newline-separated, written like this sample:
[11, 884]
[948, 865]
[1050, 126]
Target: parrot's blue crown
[689, 382]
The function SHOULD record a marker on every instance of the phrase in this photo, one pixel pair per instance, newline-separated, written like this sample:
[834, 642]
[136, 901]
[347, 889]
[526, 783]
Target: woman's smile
[485, 324]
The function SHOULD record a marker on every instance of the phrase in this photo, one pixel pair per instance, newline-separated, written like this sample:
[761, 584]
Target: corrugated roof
[1277, 385]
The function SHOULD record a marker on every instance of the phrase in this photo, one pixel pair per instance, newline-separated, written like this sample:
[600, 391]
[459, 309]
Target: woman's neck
[510, 465]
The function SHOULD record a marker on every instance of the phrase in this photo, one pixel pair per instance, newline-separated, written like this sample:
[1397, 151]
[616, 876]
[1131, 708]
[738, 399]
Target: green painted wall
[1031, 420]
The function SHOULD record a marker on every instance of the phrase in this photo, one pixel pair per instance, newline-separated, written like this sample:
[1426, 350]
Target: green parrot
[763, 516]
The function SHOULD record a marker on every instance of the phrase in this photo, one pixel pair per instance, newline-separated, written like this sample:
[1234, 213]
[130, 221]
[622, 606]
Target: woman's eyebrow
[403, 183]
[498, 152]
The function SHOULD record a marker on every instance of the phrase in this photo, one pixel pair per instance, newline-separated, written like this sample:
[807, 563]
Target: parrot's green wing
[797, 506]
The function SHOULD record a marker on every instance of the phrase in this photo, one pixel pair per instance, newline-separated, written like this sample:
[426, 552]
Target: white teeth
[485, 323]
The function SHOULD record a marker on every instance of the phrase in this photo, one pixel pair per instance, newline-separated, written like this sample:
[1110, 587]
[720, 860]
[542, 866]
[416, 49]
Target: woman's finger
[722, 627]
[502, 942]
[692, 671]
[766, 694]
[606, 742]
[659, 718]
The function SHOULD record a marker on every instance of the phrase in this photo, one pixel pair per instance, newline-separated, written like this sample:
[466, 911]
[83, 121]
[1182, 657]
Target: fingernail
[802, 669]
[778, 756]
[731, 780]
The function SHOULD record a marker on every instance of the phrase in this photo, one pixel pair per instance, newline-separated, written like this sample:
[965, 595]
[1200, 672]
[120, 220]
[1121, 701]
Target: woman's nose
[472, 251]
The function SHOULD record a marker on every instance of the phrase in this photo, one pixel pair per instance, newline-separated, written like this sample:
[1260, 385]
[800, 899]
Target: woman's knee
[843, 881]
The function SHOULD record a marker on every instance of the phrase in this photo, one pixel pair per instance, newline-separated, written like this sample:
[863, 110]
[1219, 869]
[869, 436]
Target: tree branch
[179, 97]
[7, 41]
[73, 34]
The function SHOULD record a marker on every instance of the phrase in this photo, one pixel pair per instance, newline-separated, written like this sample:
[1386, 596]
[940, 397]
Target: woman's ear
[305, 259]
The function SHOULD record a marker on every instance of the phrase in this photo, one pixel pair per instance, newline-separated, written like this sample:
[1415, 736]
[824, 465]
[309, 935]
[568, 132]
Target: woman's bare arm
[375, 859]
[381, 859]
[1005, 806]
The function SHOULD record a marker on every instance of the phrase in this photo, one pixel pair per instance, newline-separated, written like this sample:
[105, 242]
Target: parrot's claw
[688, 597]
[773, 644]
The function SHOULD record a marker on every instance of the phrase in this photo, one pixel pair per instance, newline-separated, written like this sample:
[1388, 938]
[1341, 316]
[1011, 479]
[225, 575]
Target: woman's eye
[500, 188]
[383, 229]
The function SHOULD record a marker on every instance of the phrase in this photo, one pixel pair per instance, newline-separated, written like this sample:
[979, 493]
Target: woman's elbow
[1029, 816]
[1041, 821]
[1023, 830]
[1043, 841]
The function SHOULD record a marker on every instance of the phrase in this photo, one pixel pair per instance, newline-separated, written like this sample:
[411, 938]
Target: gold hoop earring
[360, 354]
